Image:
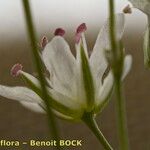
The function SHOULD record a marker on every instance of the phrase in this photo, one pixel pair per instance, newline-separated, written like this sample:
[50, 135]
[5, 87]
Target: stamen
[15, 70]
[43, 42]
[59, 32]
[127, 9]
[81, 28]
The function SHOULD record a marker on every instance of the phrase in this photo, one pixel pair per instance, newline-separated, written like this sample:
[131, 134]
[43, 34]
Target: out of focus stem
[121, 116]
[120, 102]
[39, 67]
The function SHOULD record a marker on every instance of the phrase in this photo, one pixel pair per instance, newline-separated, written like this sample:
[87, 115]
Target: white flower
[76, 84]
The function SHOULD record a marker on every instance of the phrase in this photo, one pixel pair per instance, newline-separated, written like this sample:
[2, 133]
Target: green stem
[120, 103]
[121, 115]
[39, 67]
[112, 27]
[89, 120]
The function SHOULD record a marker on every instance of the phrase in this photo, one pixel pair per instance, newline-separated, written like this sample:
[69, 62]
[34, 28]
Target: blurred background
[18, 123]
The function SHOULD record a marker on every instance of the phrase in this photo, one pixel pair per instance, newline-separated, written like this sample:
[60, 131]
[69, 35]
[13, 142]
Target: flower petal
[97, 60]
[64, 105]
[61, 64]
[62, 116]
[30, 78]
[33, 106]
[65, 100]
[38, 109]
[19, 94]
[107, 87]
[105, 91]
[58, 101]
[146, 47]
[127, 65]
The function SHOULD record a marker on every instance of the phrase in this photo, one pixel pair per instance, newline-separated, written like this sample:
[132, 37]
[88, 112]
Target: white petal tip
[127, 65]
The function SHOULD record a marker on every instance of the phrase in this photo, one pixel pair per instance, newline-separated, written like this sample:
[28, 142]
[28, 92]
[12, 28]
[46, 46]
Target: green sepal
[88, 80]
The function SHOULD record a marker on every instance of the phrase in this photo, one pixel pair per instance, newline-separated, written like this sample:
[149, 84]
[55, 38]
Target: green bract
[76, 84]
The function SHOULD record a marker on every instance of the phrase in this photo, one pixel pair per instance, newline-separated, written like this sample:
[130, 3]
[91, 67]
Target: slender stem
[120, 103]
[121, 116]
[112, 27]
[39, 67]
[89, 120]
